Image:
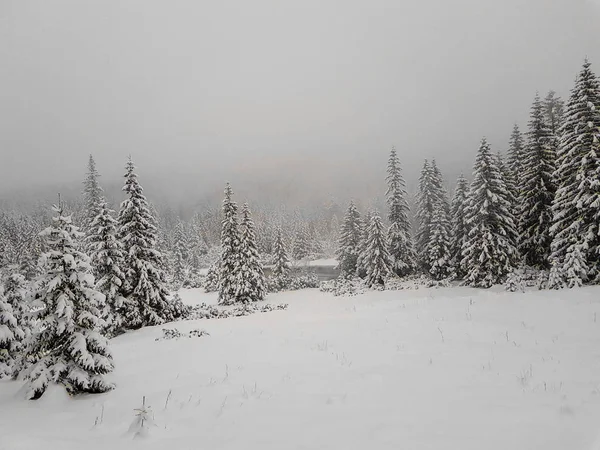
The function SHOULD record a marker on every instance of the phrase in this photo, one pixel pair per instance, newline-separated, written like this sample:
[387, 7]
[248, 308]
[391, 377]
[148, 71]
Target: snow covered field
[448, 368]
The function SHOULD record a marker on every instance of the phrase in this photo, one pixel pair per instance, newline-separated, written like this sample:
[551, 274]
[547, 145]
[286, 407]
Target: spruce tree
[92, 196]
[17, 295]
[147, 298]
[11, 337]
[252, 278]
[459, 225]
[513, 234]
[361, 268]
[399, 238]
[229, 265]
[537, 191]
[438, 247]
[349, 242]
[488, 252]
[281, 263]
[575, 266]
[68, 347]
[181, 253]
[107, 257]
[514, 162]
[377, 259]
[553, 114]
[301, 249]
[576, 206]
[425, 203]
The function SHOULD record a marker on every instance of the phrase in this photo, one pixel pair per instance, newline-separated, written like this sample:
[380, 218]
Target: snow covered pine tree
[67, 346]
[252, 278]
[11, 336]
[488, 252]
[576, 206]
[229, 265]
[459, 225]
[349, 242]
[147, 298]
[537, 191]
[107, 258]
[377, 258]
[438, 246]
[92, 197]
[399, 238]
[281, 263]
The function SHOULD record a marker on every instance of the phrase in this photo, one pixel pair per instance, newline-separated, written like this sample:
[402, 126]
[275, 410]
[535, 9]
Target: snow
[451, 368]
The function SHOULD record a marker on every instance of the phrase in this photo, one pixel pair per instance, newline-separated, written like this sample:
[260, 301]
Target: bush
[344, 286]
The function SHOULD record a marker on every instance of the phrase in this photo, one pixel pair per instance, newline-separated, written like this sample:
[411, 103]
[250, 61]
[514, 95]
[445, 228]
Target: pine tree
[377, 258]
[181, 253]
[15, 294]
[68, 347]
[11, 337]
[281, 264]
[147, 298]
[211, 284]
[301, 248]
[438, 247]
[553, 115]
[361, 260]
[229, 266]
[252, 278]
[399, 238]
[537, 191]
[425, 202]
[459, 225]
[92, 196]
[107, 257]
[575, 267]
[349, 242]
[576, 206]
[513, 234]
[515, 161]
[488, 253]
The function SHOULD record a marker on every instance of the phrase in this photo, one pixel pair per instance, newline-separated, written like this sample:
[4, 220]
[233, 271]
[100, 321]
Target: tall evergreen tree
[438, 248]
[107, 257]
[399, 238]
[576, 206]
[513, 234]
[229, 266]
[459, 225]
[361, 260]
[11, 336]
[15, 289]
[146, 291]
[68, 347]
[281, 263]
[349, 242]
[377, 258]
[92, 196]
[537, 191]
[181, 253]
[425, 202]
[252, 278]
[488, 252]
[553, 114]
[515, 155]
[302, 245]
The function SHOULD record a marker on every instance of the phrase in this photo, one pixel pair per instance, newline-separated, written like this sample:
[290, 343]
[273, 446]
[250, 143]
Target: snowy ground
[428, 369]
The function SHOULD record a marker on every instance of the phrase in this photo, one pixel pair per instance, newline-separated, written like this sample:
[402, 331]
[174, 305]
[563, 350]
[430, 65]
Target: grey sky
[184, 86]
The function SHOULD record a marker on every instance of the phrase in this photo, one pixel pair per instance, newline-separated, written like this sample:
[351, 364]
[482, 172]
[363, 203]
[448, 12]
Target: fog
[295, 97]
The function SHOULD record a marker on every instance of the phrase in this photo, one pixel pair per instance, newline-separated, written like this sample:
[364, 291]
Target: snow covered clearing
[450, 368]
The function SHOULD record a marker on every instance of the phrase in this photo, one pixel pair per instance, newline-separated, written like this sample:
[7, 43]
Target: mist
[302, 99]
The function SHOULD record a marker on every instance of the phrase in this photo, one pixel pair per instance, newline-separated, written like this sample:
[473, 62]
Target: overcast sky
[214, 89]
